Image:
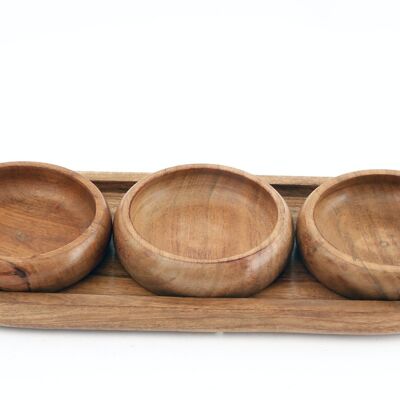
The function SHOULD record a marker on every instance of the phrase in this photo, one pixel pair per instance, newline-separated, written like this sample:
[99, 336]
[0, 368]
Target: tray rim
[99, 177]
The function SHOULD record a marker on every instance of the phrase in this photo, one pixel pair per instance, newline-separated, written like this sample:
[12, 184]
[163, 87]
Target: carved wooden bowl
[54, 227]
[349, 234]
[203, 230]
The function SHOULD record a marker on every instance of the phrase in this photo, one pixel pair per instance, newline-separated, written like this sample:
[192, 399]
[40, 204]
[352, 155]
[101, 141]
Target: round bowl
[203, 230]
[54, 227]
[349, 234]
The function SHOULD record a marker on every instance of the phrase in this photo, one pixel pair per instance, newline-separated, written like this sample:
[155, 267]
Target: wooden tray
[108, 299]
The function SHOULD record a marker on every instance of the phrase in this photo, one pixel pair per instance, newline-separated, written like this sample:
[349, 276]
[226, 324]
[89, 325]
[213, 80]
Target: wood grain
[108, 299]
[203, 231]
[349, 234]
[54, 226]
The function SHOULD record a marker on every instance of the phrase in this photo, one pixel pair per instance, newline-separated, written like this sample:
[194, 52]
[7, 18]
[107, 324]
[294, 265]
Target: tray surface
[108, 299]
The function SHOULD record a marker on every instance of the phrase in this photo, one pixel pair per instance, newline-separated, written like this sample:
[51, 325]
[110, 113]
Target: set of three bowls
[199, 230]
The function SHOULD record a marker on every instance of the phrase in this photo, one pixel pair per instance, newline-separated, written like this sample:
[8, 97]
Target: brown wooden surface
[109, 299]
[348, 232]
[203, 230]
[54, 226]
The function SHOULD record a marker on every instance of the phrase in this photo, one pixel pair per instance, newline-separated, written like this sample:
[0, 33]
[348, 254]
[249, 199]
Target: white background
[283, 87]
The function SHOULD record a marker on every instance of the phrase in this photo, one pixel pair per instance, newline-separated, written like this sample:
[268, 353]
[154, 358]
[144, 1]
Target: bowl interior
[41, 210]
[361, 217]
[203, 213]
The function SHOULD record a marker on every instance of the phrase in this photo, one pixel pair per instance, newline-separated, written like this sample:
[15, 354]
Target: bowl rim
[282, 212]
[101, 209]
[308, 211]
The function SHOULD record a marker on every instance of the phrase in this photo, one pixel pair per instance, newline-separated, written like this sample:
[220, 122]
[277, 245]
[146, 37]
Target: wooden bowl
[203, 230]
[349, 234]
[54, 227]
